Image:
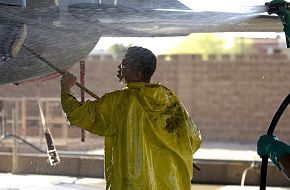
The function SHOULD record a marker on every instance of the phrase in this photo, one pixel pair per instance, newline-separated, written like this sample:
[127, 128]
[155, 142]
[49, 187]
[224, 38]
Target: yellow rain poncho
[149, 137]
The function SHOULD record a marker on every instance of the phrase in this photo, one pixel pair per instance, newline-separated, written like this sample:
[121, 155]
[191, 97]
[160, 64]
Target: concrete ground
[45, 182]
[216, 151]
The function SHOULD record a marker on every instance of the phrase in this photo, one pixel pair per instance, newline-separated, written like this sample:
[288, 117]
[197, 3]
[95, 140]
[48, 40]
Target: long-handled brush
[53, 157]
[59, 70]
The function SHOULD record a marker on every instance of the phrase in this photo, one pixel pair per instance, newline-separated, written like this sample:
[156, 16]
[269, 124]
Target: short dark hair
[142, 60]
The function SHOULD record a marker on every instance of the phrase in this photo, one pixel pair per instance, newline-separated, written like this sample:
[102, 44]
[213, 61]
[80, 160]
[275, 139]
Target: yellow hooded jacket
[149, 137]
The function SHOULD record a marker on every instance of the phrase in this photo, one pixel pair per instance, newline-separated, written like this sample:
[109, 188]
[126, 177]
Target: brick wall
[230, 97]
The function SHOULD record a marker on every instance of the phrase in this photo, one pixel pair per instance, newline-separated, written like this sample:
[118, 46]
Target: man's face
[127, 71]
[124, 71]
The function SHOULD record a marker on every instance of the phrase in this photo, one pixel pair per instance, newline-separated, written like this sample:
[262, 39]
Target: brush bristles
[53, 157]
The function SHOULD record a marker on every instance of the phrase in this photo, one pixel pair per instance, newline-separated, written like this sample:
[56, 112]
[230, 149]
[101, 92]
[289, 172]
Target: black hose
[278, 114]
[25, 141]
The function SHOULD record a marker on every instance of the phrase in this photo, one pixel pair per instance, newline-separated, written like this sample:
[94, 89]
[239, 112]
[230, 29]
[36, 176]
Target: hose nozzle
[274, 7]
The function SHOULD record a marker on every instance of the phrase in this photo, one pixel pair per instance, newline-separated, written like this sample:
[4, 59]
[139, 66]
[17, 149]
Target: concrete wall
[231, 97]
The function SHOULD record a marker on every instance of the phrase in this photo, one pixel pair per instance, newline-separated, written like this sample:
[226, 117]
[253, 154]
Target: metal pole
[4, 120]
[23, 117]
[65, 134]
[15, 142]
[40, 129]
[1, 127]
[82, 82]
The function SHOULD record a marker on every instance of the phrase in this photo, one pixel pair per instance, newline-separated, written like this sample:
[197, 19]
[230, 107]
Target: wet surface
[36, 182]
[45, 182]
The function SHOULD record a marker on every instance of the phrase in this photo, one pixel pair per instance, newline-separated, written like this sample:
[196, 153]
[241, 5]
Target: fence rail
[29, 119]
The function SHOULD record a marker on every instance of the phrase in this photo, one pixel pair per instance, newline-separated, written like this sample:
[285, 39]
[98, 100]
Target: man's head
[138, 65]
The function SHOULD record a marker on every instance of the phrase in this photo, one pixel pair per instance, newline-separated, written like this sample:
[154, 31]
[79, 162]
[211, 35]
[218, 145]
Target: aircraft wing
[65, 31]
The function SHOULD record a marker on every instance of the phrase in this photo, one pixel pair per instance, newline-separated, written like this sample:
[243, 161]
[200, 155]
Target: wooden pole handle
[59, 70]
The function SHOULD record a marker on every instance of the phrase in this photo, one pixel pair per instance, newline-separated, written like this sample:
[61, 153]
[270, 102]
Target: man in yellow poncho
[149, 136]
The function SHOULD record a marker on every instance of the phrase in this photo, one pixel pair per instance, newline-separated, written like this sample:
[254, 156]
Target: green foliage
[212, 43]
[118, 49]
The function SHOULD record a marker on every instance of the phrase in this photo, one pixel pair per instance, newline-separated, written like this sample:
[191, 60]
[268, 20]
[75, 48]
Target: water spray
[282, 9]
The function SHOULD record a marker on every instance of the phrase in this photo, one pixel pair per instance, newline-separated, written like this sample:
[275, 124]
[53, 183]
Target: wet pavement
[47, 182]
[216, 151]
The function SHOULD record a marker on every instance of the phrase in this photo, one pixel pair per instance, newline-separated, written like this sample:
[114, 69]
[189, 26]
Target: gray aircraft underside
[65, 31]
